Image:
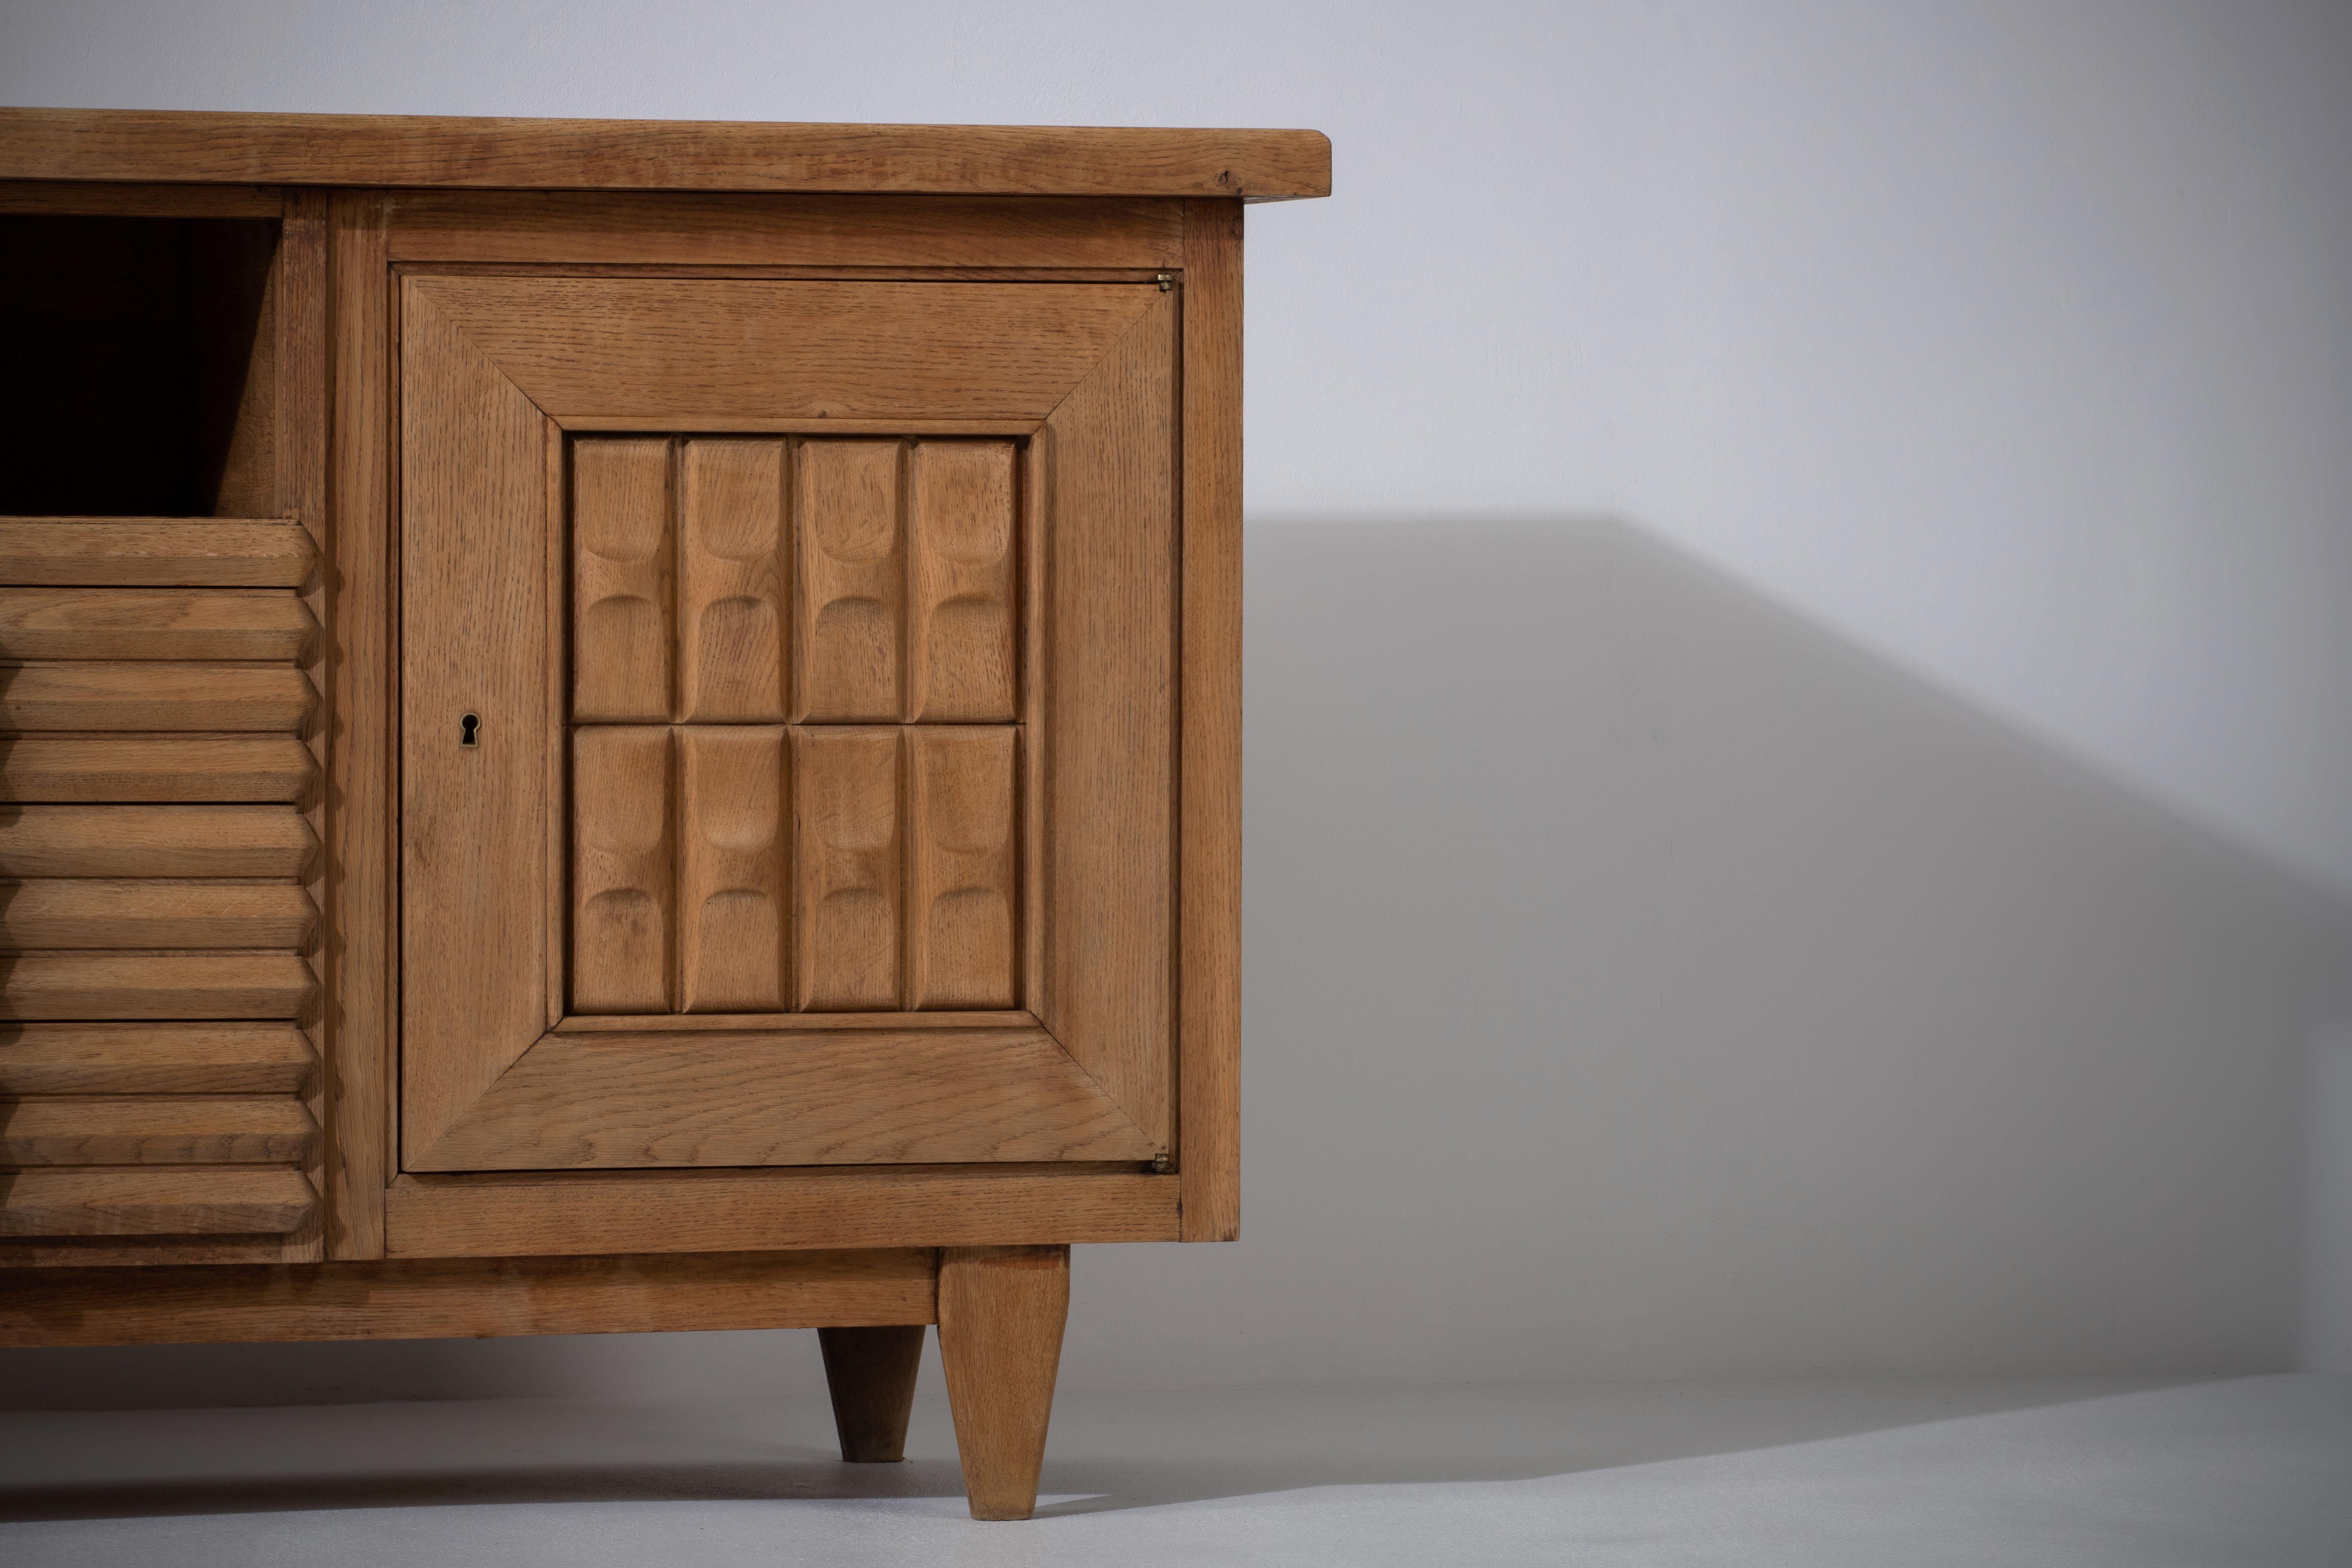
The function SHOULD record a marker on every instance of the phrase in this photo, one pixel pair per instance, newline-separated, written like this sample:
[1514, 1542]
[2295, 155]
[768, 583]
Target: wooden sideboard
[620, 726]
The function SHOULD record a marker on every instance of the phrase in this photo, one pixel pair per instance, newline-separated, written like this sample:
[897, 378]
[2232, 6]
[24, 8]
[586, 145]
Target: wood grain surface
[474, 821]
[681, 353]
[1109, 807]
[216, 1200]
[601, 1101]
[178, 1057]
[154, 841]
[615, 228]
[622, 559]
[121, 985]
[176, 1129]
[151, 913]
[623, 869]
[961, 604]
[184, 146]
[850, 576]
[472, 1298]
[158, 552]
[847, 883]
[709, 1211]
[1001, 1309]
[84, 696]
[961, 892]
[733, 841]
[870, 1373]
[191, 768]
[732, 584]
[154, 624]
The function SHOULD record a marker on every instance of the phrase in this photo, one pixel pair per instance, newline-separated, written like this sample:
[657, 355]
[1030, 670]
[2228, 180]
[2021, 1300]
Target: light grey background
[1800, 793]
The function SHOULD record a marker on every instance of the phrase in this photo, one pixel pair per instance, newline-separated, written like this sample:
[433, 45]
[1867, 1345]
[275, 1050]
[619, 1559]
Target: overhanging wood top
[175, 146]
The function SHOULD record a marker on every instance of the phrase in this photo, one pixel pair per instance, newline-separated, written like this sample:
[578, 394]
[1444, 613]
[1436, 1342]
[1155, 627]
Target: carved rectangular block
[846, 853]
[960, 876]
[852, 581]
[622, 569]
[731, 588]
[960, 566]
[622, 870]
[732, 851]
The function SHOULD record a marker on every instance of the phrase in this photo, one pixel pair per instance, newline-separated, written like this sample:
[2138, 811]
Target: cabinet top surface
[435, 151]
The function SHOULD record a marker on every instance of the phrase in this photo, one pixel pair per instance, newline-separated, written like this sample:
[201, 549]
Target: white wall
[1835, 1024]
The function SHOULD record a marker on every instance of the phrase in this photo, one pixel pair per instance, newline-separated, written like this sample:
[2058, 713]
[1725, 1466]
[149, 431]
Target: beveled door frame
[492, 368]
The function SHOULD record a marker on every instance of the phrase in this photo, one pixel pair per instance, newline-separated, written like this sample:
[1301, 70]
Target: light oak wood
[361, 992]
[156, 696]
[154, 551]
[300, 422]
[69, 912]
[1209, 871]
[1057, 233]
[1108, 806]
[706, 1211]
[624, 558]
[154, 841]
[102, 985]
[732, 583]
[681, 353]
[624, 871]
[733, 839]
[792, 1023]
[589, 1101]
[179, 1130]
[154, 624]
[473, 821]
[176, 146]
[961, 642]
[846, 873]
[154, 1058]
[141, 768]
[472, 1298]
[64, 197]
[1001, 1309]
[870, 1373]
[962, 949]
[218, 1200]
[851, 577]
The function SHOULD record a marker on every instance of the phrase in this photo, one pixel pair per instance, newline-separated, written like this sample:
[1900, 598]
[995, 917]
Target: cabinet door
[788, 721]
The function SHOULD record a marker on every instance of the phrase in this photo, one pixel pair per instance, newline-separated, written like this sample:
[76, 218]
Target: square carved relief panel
[794, 761]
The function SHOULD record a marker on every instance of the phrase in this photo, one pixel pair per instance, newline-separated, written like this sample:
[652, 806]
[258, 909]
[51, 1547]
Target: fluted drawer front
[156, 765]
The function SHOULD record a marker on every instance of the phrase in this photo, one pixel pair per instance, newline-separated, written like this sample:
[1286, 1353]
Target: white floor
[2245, 1472]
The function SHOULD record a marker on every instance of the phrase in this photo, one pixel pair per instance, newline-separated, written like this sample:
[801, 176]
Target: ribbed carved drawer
[156, 983]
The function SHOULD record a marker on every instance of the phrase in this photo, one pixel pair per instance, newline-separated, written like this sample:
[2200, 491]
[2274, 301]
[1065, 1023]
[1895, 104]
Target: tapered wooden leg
[871, 1375]
[1000, 1315]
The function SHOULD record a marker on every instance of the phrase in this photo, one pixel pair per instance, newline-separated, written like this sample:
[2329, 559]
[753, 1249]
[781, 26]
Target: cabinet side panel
[1210, 826]
[732, 871]
[622, 565]
[623, 867]
[730, 655]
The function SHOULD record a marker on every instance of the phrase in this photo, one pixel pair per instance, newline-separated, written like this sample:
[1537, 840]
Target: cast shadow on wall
[1641, 984]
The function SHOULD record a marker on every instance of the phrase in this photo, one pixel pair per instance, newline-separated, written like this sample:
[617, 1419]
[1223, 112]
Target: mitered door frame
[376, 1210]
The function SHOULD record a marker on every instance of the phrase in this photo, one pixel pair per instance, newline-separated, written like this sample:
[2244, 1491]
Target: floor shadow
[1110, 1452]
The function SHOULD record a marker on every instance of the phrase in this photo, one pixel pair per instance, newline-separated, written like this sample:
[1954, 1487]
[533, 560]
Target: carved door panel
[788, 721]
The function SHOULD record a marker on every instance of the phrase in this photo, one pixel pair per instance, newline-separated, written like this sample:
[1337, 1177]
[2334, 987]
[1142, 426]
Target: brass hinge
[1166, 281]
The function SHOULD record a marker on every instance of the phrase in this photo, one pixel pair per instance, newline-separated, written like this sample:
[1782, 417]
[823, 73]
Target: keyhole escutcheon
[469, 730]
